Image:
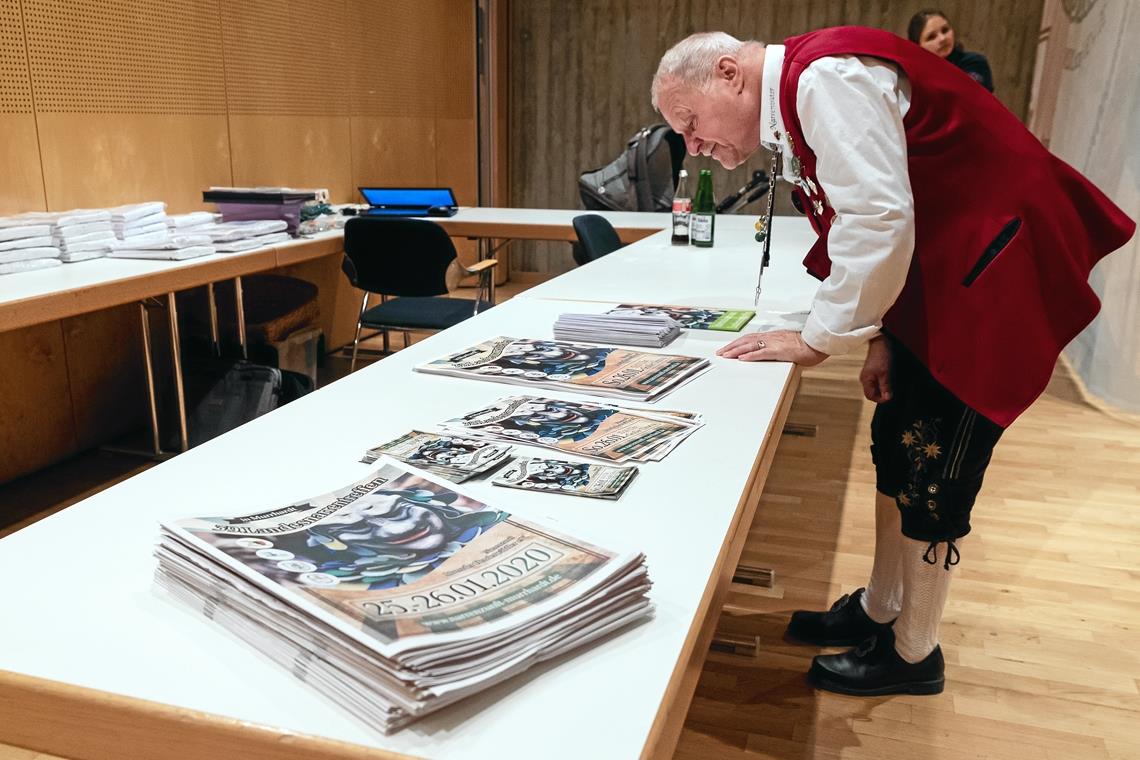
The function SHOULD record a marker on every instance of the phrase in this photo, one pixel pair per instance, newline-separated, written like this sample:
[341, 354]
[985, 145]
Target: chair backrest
[397, 257]
[597, 236]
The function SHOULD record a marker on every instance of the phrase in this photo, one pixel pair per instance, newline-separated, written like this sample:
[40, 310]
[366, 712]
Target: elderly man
[952, 242]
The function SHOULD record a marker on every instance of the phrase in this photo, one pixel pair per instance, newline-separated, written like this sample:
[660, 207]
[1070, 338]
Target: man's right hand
[876, 373]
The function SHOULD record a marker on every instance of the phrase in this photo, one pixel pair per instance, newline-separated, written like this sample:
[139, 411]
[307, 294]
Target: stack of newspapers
[653, 330]
[543, 475]
[555, 364]
[397, 596]
[456, 458]
[584, 428]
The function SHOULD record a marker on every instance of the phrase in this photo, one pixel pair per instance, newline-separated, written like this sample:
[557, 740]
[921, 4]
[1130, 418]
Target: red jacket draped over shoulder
[1005, 232]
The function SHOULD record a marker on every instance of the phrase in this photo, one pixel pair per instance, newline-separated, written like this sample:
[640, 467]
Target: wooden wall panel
[580, 90]
[298, 151]
[36, 422]
[106, 159]
[22, 179]
[393, 150]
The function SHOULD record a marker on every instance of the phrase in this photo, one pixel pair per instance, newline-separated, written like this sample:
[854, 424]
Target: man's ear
[728, 70]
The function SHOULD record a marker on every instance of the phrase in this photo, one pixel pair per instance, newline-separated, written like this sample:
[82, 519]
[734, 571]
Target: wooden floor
[1042, 628]
[1040, 633]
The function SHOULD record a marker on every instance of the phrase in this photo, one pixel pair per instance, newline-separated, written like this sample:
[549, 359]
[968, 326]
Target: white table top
[113, 632]
[655, 271]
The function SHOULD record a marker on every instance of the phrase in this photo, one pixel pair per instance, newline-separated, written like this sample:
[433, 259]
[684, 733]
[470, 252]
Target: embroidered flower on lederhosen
[923, 452]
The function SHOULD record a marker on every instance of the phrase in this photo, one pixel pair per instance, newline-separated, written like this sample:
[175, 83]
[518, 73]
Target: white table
[79, 582]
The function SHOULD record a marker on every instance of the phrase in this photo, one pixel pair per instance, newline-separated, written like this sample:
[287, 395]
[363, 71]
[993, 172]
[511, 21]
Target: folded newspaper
[397, 596]
[541, 475]
[555, 364]
[691, 317]
[456, 458]
[584, 428]
[653, 330]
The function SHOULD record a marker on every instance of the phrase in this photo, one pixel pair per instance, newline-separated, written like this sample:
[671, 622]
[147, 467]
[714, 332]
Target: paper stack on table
[654, 331]
[169, 248]
[191, 223]
[232, 237]
[690, 317]
[585, 428]
[456, 458]
[83, 234]
[26, 244]
[398, 595]
[555, 364]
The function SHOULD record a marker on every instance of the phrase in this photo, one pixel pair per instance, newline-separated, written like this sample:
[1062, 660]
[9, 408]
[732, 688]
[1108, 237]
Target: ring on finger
[759, 345]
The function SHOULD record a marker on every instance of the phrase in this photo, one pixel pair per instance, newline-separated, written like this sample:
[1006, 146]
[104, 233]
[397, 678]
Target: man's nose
[693, 145]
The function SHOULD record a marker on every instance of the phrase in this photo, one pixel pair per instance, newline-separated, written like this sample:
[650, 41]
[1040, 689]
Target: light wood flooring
[1040, 633]
[1041, 630]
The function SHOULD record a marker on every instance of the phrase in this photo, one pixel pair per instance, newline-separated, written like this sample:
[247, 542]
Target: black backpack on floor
[236, 393]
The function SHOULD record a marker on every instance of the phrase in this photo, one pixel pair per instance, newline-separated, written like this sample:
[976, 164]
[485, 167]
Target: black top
[974, 64]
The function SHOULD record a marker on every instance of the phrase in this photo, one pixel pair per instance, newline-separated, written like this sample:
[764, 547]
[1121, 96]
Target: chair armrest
[481, 266]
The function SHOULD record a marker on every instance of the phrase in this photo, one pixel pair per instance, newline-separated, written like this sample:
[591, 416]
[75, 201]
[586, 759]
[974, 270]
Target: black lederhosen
[930, 452]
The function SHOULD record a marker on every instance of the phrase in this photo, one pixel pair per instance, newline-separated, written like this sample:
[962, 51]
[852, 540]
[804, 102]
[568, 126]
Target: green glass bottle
[702, 223]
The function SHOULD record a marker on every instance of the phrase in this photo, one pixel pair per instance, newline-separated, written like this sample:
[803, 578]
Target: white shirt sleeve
[852, 110]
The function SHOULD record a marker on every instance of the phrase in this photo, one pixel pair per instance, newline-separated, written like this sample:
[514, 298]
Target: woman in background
[931, 29]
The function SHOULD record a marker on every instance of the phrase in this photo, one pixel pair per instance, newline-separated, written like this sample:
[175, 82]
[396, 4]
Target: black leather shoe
[844, 625]
[874, 668]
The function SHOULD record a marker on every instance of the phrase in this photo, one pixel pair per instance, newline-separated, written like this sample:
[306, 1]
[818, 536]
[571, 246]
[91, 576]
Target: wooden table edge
[88, 724]
[666, 729]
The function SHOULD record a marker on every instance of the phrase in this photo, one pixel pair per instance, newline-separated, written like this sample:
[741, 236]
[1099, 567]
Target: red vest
[1005, 232]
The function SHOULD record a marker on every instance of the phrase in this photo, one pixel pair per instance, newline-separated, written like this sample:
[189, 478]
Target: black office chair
[409, 264]
[596, 238]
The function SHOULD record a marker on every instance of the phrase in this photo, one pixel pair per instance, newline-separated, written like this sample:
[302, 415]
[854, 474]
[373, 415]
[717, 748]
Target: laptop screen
[408, 197]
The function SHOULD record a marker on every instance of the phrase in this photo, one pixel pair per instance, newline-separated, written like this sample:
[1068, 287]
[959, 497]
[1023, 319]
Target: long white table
[101, 665]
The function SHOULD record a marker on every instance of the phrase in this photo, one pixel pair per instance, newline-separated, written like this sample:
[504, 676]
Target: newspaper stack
[26, 244]
[654, 331]
[589, 429]
[140, 224]
[555, 364]
[397, 596]
[232, 237]
[169, 248]
[541, 475]
[453, 457]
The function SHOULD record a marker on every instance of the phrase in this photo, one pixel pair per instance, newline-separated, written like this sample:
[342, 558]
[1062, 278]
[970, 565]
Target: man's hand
[775, 346]
[876, 373]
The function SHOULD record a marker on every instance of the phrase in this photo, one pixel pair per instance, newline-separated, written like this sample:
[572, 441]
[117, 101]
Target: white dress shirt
[851, 111]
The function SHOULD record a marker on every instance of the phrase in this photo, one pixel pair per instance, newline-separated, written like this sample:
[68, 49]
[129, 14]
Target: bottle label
[701, 228]
[681, 209]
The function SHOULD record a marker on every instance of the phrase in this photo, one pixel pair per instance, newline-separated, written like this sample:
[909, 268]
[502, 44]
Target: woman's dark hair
[918, 23]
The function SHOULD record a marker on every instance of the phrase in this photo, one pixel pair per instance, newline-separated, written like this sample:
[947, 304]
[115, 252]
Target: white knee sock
[925, 587]
[882, 601]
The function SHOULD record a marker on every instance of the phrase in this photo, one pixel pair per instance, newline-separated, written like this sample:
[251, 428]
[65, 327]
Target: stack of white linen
[140, 223]
[82, 234]
[192, 223]
[169, 248]
[26, 244]
[231, 237]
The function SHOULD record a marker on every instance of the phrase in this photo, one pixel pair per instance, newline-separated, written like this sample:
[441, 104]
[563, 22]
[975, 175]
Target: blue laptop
[408, 201]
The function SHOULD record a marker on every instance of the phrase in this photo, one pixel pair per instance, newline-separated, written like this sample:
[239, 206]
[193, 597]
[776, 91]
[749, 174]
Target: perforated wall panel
[395, 55]
[285, 57]
[125, 56]
[15, 88]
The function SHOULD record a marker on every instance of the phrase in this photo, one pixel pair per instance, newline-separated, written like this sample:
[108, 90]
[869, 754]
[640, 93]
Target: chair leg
[387, 346]
[356, 340]
[407, 339]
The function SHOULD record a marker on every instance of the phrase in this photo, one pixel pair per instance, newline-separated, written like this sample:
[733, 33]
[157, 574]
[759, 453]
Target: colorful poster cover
[575, 365]
[398, 556]
[576, 427]
[542, 475]
[692, 317]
